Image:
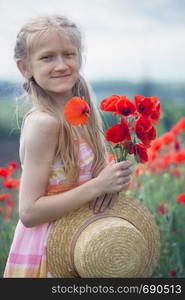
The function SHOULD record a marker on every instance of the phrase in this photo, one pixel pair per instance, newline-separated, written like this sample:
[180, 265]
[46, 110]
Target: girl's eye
[46, 57]
[70, 54]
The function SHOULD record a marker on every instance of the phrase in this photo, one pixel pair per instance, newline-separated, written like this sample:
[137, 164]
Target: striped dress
[28, 252]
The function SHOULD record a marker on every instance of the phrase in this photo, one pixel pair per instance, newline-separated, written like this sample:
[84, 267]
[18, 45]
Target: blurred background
[130, 47]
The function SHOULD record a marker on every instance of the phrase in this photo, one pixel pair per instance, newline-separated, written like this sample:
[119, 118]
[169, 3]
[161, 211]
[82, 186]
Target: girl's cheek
[76, 66]
[75, 63]
[46, 68]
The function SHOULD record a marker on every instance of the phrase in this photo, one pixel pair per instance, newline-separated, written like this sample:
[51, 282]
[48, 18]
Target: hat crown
[115, 247]
[124, 242]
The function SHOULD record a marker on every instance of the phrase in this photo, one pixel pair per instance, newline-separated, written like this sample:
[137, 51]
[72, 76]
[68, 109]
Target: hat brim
[144, 233]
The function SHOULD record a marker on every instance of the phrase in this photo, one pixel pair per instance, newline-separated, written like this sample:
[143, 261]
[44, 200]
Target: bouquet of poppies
[134, 130]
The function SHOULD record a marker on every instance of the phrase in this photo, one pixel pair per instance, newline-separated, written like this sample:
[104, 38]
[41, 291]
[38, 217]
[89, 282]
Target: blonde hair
[42, 101]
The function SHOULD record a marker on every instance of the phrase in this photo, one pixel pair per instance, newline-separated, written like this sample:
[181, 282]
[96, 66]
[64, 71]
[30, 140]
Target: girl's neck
[61, 99]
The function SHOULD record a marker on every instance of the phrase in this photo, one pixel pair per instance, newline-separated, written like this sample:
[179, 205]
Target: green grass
[165, 188]
[11, 114]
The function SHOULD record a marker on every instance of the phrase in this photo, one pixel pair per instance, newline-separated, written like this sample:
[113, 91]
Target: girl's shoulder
[40, 120]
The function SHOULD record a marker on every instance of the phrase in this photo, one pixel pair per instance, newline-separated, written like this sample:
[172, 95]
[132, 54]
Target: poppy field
[158, 182]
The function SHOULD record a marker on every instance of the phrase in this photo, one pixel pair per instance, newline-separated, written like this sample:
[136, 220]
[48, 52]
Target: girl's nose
[60, 64]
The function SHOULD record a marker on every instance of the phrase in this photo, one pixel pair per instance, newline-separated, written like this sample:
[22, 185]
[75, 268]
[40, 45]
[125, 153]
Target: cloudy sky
[124, 39]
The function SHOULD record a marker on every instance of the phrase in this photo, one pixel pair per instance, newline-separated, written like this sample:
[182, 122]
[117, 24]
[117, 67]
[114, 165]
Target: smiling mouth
[62, 76]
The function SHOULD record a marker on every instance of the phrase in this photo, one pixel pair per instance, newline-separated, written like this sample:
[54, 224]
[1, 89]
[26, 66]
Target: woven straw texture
[122, 242]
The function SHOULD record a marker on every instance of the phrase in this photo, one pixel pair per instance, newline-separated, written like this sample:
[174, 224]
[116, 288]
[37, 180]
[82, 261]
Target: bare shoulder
[40, 138]
[42, 122]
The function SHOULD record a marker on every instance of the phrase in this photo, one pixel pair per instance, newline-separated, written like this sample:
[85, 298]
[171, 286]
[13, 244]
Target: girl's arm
[41, 136]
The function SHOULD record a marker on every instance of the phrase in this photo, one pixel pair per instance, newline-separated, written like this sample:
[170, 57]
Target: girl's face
[55, 64]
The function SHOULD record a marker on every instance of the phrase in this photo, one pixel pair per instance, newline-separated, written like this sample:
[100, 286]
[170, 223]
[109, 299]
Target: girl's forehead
[51, 39]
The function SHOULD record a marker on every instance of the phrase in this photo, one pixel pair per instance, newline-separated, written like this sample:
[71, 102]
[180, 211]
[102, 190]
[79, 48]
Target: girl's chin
[61, 92]
[62, 89]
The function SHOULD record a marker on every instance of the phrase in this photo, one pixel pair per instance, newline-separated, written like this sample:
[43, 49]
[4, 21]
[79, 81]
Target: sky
[130, 40]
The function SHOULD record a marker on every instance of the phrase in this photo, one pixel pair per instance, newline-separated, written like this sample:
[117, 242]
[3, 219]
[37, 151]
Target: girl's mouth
[62, 76]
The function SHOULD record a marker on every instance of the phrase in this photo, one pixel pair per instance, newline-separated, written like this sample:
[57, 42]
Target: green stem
[125, 155]
[121, 152]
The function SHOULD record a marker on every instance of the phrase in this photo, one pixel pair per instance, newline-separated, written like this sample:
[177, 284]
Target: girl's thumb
[126, 163]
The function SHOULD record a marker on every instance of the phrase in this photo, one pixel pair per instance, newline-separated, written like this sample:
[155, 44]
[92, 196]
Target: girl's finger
[92, 203]
[125, 185]
[113, 200]
[125, 164]
[105, 203]
[126, 180]
[126, 172]
[98, 203]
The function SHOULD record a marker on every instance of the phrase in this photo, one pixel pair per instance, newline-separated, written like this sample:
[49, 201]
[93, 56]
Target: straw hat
[122, 242]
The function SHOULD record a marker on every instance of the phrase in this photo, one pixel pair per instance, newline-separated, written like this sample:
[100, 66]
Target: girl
[63, 167]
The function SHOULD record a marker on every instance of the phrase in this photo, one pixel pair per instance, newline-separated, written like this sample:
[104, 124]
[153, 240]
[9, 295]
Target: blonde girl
[63, 166]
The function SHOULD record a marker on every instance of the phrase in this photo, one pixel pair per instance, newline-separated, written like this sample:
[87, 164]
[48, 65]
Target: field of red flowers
[159, 184]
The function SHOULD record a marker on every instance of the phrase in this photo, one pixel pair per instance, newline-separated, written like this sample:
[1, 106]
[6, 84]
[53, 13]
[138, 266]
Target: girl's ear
[23, 68]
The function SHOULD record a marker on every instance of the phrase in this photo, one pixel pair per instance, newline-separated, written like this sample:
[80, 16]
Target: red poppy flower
[140, 153]
[172, 273]
[152, 154]
[162, 208]
[9, 203]
[175, 172]
[130, 184]
[12, 165]
[4, 172]
[179, 156]
[155, 115]
[177, 144]
[1, 210]
[4, 196]
[11, 183]
[179, 126]
[144, 130]
[156, 145]
[118, 132]
[76, 111]
[181, 198]
[167, 159]
[129, 146]
[167, 138]
[149, 107]
[109, 104]
[125, 107]
[7, 209]
[138, 170]
[144, 105]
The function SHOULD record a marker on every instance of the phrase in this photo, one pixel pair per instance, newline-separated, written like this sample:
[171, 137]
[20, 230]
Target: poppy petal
[76, 111]
[115, 134]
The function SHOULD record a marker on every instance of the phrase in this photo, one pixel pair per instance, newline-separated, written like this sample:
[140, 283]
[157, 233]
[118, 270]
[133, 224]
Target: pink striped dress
[28, 252]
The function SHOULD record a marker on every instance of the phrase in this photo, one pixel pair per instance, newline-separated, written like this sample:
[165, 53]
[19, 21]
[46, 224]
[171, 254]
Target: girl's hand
[114, 178]
[103, 202]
